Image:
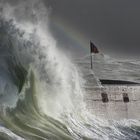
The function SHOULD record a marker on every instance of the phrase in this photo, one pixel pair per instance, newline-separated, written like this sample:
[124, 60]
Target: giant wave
[42, 90]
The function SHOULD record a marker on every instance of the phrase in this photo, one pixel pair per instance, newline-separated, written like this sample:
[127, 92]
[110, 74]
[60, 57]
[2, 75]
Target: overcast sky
[113, 25]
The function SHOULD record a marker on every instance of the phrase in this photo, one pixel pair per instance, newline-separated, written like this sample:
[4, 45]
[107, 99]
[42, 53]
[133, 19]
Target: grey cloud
[113, 25]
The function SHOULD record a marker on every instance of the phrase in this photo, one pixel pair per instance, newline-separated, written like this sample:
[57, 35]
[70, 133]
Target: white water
[57, 79]
[58, 88]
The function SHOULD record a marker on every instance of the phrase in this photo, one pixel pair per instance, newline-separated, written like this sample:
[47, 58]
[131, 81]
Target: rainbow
[70, 32]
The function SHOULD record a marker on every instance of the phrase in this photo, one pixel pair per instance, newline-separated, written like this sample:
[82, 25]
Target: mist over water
[41, 90]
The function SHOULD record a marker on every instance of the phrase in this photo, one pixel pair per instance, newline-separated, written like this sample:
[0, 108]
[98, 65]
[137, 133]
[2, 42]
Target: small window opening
[125, 97]
[104, 97]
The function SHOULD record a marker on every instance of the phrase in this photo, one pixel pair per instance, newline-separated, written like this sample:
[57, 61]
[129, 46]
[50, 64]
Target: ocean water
[41, 94]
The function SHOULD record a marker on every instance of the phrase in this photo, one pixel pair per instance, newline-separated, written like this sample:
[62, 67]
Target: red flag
[93, 48]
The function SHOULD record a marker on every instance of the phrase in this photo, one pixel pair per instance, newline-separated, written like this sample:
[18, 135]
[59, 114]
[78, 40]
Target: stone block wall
[114, 101]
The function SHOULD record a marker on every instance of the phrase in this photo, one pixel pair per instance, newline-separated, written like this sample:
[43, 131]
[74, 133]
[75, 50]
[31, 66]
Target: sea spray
[56, 77]
[49, 87]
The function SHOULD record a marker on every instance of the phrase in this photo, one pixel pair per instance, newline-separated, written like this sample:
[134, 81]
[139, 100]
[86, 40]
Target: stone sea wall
[114, 101]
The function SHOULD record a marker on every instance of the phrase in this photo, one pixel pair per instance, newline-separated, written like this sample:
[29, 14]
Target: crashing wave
[45, 87]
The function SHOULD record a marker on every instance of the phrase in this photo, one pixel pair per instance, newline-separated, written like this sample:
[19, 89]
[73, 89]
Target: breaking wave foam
[43, 88]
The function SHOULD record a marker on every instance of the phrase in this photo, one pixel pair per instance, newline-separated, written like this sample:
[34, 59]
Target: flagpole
[93, 50]
[91, 62]
[91, 56]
